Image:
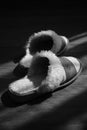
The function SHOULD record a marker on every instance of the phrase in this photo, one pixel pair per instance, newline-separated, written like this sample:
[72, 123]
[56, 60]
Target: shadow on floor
[61, 115]
[9, 101]
[78, 51]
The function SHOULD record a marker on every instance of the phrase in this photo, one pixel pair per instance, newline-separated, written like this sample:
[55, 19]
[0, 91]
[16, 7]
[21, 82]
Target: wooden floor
[63, 110]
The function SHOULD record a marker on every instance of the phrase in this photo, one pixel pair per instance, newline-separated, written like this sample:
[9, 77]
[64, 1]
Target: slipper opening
[38, 70]
[42, 42]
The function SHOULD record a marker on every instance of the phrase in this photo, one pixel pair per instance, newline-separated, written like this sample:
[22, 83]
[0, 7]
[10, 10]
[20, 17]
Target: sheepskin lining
[38, 70]
[42, 42]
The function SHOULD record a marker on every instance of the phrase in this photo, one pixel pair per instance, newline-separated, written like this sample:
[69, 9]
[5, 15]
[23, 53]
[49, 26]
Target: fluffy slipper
[47, 73]
[44, 40]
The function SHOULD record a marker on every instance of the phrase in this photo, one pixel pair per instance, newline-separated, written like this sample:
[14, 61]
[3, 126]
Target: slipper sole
[34, 94]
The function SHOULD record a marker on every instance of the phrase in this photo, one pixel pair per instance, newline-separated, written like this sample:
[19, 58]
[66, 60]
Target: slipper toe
[22, 90]
[47, 73]
[21, 86]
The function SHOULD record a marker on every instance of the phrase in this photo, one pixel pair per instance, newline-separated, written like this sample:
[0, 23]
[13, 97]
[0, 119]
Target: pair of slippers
[43, 71]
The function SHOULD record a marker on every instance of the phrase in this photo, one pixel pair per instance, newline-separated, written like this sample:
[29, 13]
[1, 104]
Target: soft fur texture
[21, 86]
[38, 77]
[43, 40]
[57, 39]
[46, 73]
[26, 60]
[56, 73]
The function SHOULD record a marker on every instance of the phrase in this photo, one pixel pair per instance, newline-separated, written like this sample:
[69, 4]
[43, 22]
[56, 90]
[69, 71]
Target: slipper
[47, 73]
[44, 40]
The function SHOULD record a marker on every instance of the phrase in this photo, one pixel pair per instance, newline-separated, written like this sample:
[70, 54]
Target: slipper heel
[72, 67]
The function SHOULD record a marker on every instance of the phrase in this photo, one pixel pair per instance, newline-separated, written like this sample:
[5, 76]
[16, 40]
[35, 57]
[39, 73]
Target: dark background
[19, 19]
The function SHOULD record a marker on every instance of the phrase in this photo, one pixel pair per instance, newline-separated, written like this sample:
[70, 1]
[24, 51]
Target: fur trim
[57, 43]
[57, 39]
[21, 86]
[48, 32]
[56, 73]
[26, 60]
